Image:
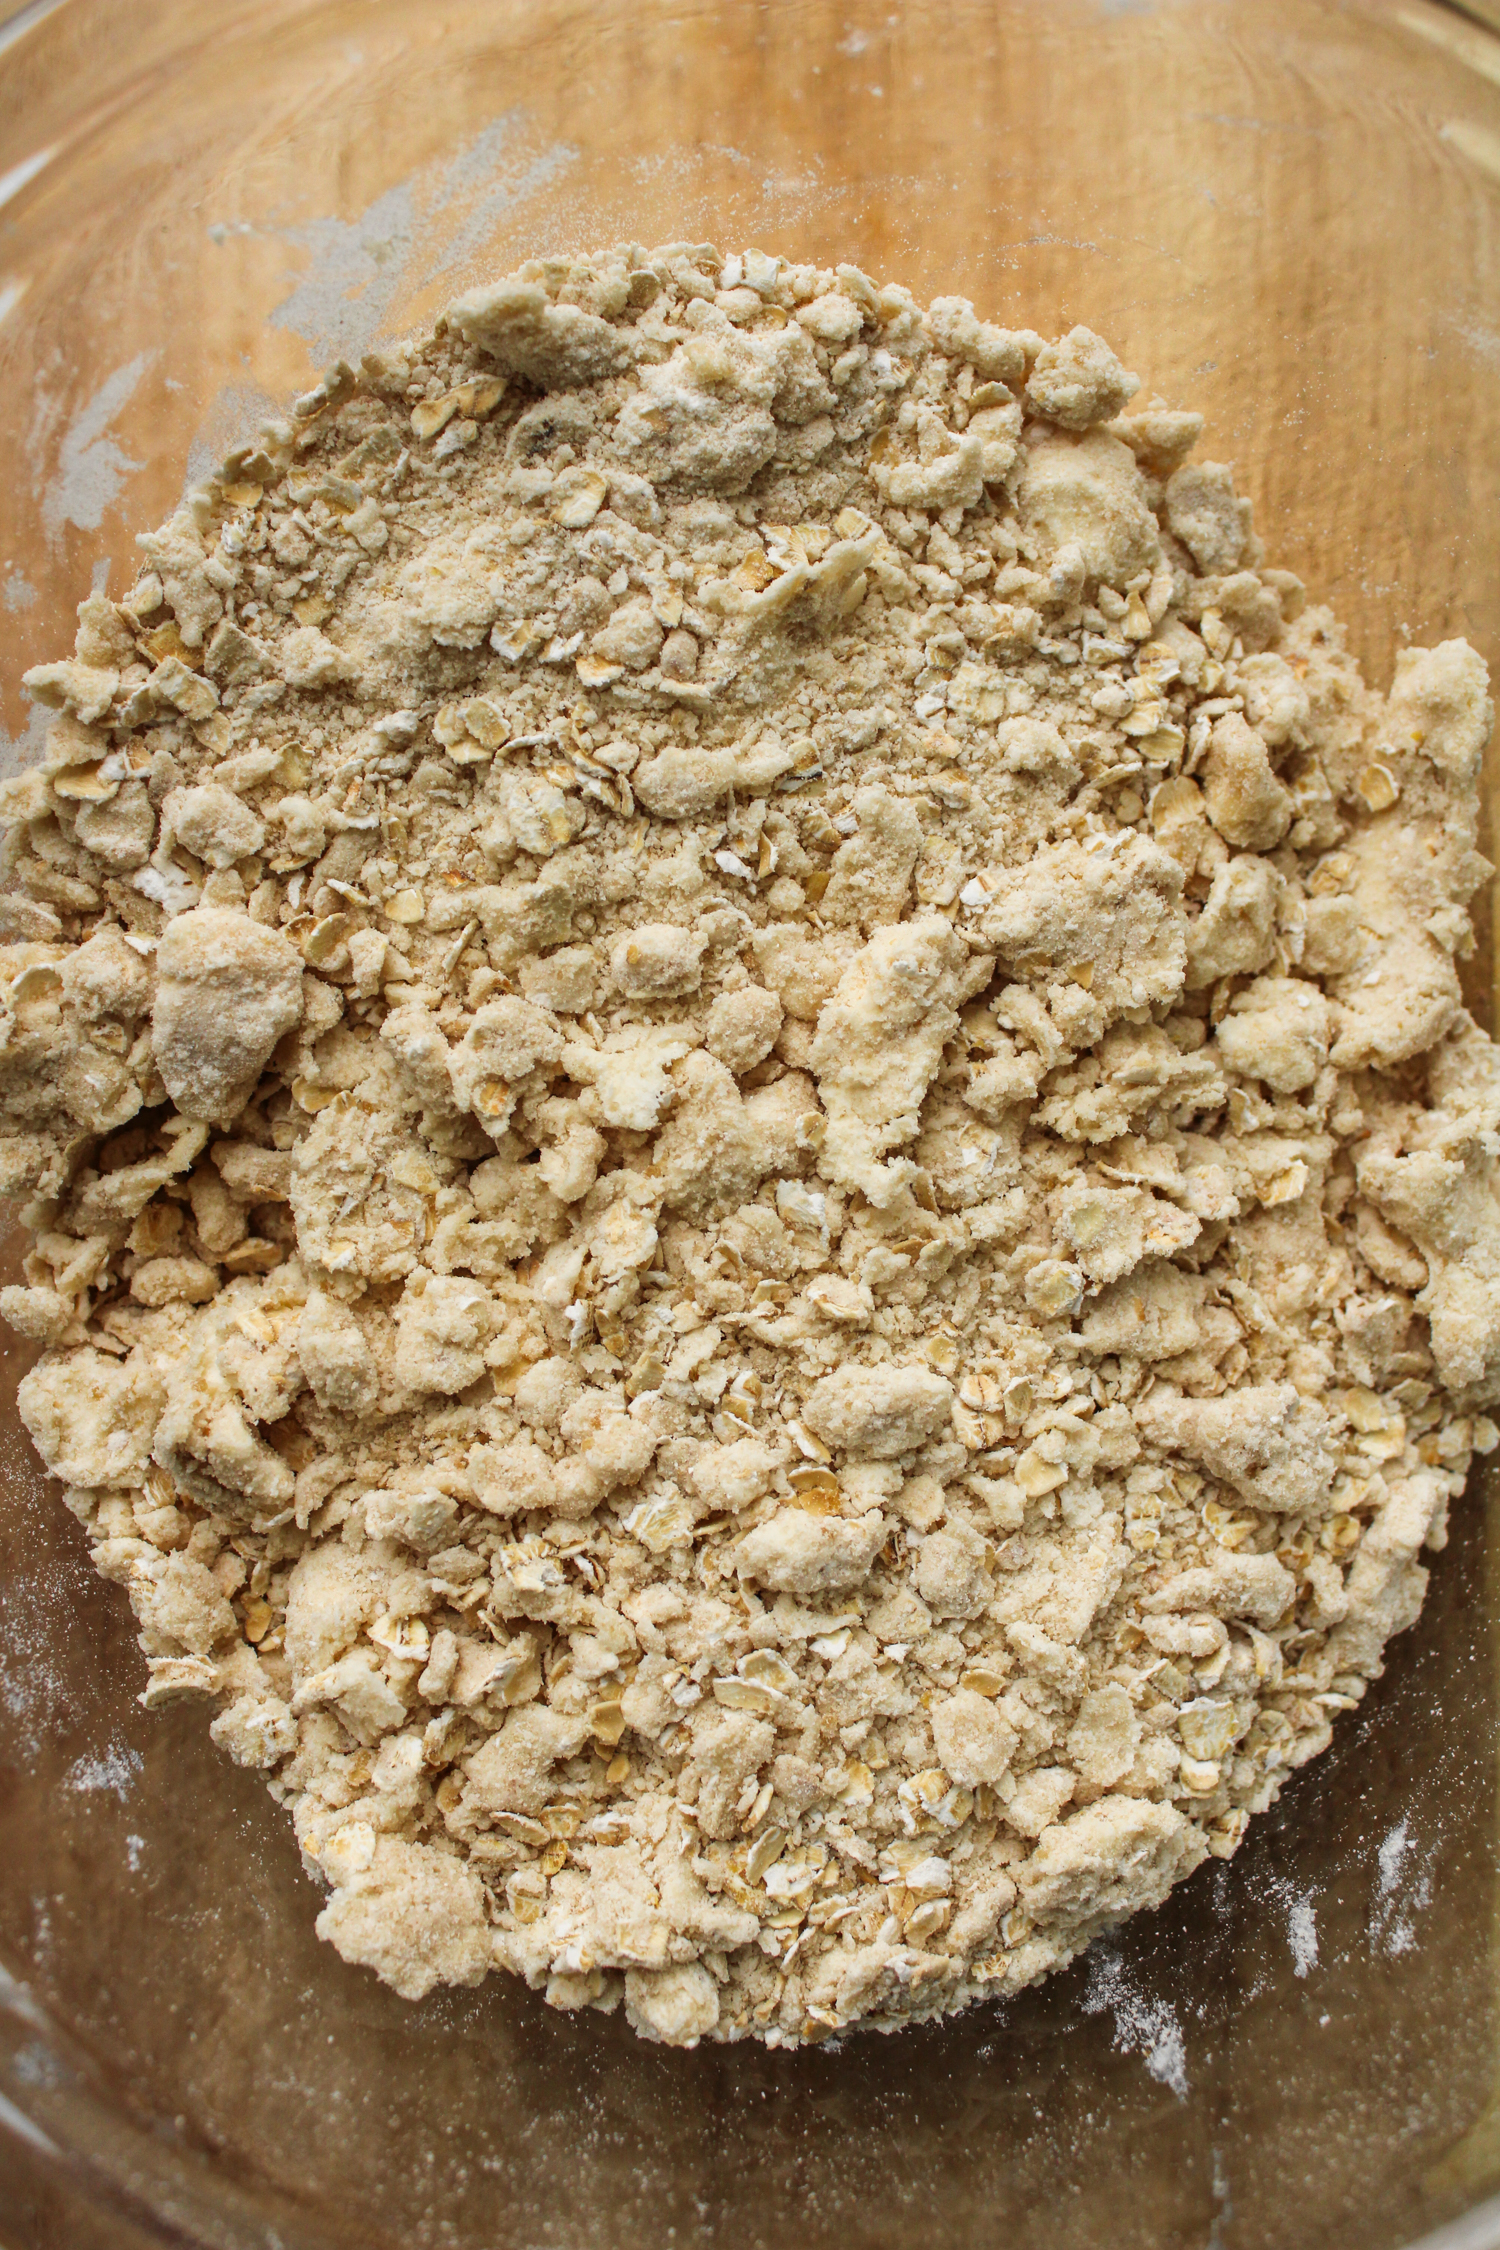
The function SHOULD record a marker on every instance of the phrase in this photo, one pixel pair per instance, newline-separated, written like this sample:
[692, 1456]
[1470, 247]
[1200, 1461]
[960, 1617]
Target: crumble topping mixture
[764, 1217]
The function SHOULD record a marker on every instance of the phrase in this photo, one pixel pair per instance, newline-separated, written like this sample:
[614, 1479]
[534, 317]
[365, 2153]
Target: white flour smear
[91, 467]
[419, 231]
[1403, 1891]
[113, 1769]
[1143, 2026]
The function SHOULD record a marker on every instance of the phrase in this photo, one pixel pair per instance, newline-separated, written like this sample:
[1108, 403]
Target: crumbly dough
[764, 1216]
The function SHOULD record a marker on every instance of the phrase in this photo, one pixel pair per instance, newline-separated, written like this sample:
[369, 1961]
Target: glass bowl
[1283, 212]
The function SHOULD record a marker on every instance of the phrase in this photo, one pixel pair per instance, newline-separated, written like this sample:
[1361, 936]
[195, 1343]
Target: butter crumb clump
[761, 1212]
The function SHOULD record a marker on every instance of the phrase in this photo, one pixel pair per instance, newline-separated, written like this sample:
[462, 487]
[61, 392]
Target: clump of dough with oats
[763, 1216]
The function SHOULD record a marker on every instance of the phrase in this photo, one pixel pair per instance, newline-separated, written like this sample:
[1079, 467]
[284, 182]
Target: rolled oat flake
[762, 1212]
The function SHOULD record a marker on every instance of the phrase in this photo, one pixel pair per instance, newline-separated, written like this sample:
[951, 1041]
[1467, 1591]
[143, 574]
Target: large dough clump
[226, 990]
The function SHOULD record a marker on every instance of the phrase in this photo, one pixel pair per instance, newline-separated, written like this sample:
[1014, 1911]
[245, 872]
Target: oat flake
[763, 1212]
